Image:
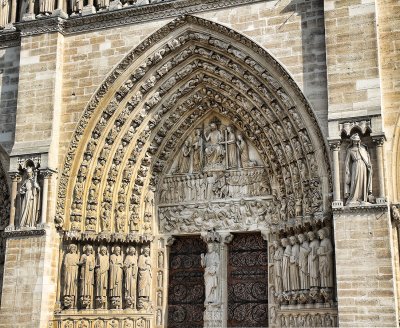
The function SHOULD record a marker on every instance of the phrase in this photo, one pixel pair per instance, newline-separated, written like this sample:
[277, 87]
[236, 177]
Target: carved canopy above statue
[178, 80]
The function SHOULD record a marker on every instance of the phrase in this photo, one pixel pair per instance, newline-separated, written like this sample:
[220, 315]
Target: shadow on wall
[313, 54]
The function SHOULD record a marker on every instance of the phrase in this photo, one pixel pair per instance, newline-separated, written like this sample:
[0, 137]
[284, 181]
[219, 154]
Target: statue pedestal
[30, 277]
[115, 5]
[213, 316]
[88, 10]
[28, 17]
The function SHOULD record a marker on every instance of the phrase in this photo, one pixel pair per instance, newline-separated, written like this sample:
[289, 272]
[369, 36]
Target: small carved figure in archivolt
[102, 266]
[358, 173]
[30, 194]
[131, 269]
[211, 262]
[70, 282]
[116, 264]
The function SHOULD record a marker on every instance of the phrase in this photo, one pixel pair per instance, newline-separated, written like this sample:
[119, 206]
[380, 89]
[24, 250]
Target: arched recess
[136, 122]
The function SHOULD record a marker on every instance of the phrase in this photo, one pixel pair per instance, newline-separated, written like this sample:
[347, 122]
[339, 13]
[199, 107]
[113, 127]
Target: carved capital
[15, 176]
[226, 237]
[334, 145]
[379, 140]
[211, 236]
[170, 241]
[47, 173]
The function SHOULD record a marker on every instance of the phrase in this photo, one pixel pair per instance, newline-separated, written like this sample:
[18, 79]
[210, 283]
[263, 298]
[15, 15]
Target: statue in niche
[214, 151]
[313, 260]
[324, 252]
[294, 264]
[211, 262]
[102, 266]
[160, 260]
[303, 261]
[358, 173]
[159, 318]
[131, 269]
[144, 277]
[116, 265]
[231, 148]
[87, 263]
[70, 283]
[159, 279]
[30, 195]
[278, 257]
[286, 264]
[184, 157]
[198, 146]
[4, 12]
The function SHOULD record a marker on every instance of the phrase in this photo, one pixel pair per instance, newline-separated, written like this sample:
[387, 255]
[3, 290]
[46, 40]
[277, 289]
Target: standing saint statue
[87, 263]
[211, 262]
[294, 264]
[214, 151]
[131, 269]
[313, 260]
[303, 261]
[102, 266]
[278, 257]
[144, 277]
[231, 148]
[358, 173]
[198, 146]
[4, 12]
[285, 264]
[30, 194]
[324, 252]
[116, 264]
[184, 158]
[70, 283]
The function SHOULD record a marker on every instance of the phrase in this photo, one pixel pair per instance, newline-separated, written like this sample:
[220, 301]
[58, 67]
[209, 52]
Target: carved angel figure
[30, 194]
[358, 173]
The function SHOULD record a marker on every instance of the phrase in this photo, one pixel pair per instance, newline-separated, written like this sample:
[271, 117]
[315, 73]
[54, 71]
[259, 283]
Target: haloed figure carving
[358, 173]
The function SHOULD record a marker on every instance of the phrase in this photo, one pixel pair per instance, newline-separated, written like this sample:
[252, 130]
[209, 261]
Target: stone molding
[365, 208]
[8, 233]
[122, 17]
[9, 39]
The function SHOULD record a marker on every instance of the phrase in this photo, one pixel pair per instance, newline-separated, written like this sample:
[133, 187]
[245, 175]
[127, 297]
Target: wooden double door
[247, 283]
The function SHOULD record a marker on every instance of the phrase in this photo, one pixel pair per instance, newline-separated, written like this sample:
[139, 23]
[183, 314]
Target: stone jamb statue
[211, 262]
[30, 196]
[358, 173]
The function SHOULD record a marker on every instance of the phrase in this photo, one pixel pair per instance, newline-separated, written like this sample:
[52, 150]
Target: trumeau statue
[70, 282]
[278, 257]
[102, 266]
[358, 173]
[116, 264]
[131, 269]
[87, 263]
[211, 262]
[325, 251]
[144, 277]
[30, 194]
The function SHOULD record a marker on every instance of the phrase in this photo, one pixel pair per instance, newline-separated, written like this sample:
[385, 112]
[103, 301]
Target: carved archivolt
[138, 120]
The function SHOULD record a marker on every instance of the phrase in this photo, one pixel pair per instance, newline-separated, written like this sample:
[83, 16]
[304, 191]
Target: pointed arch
[156, 94]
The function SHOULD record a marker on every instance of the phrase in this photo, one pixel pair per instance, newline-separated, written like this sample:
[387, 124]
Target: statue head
[355, 138]
[88, 249]
[284, 242]
[117, 250]
[301, 237]
[103, 250]
[146, 251]
[213, 126]
[322, 233]
[131, 250]
[210, 247]
[72, 248]
[275, 243]
[293, 240]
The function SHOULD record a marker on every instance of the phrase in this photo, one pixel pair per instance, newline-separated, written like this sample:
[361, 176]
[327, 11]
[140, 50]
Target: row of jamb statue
[303, 262]
[106, 279]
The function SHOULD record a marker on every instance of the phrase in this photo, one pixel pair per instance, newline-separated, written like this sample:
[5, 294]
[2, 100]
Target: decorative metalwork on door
[248, 281]
[186, 283]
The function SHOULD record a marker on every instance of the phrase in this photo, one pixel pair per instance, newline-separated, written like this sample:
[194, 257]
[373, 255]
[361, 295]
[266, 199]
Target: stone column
[13, 11]
[46, 175]
[335, 147]
[15, 177]
[379, 141]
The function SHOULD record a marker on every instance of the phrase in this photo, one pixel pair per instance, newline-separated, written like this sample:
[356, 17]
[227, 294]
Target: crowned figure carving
[30, 198]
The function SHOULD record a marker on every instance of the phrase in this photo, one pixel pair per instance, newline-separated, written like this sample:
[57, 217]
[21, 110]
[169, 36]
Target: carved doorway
[186, 283]
[248, 281]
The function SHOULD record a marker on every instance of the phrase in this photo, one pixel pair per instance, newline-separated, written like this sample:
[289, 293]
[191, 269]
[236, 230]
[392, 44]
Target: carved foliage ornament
[141, 132]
